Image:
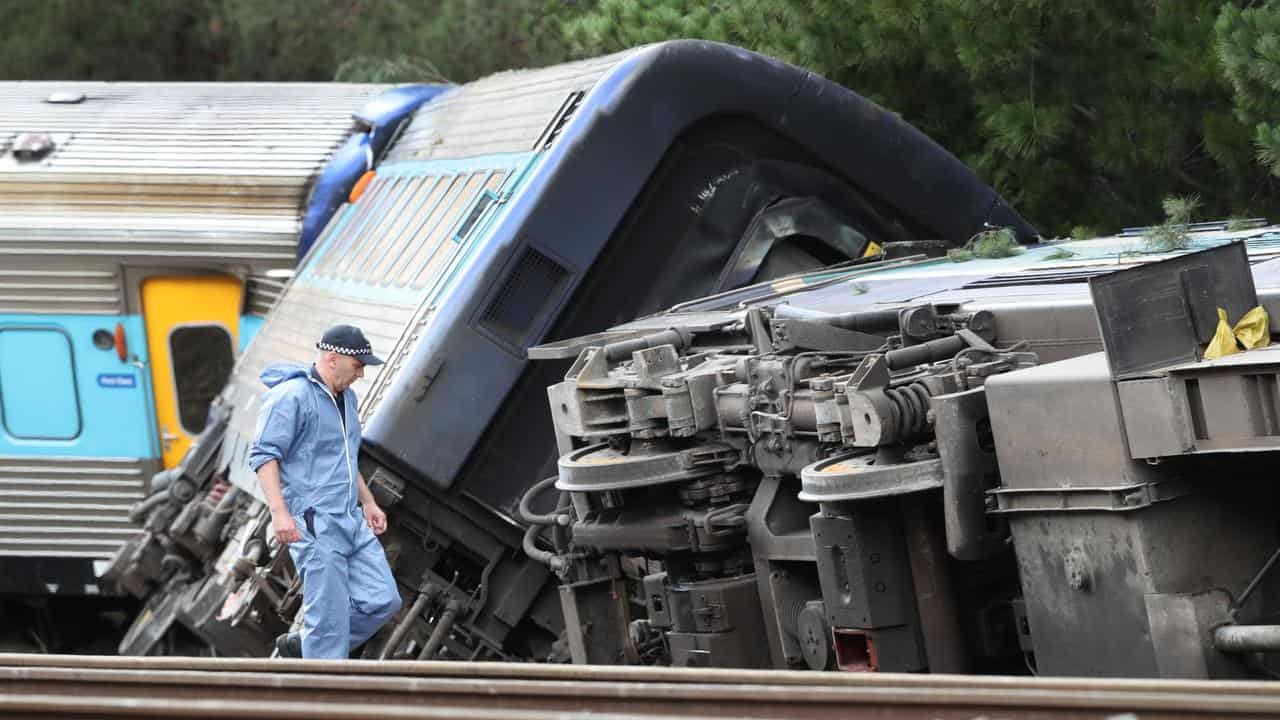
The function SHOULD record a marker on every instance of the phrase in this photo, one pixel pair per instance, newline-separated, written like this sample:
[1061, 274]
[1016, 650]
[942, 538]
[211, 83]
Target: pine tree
[1248, 45]
[1083, 113]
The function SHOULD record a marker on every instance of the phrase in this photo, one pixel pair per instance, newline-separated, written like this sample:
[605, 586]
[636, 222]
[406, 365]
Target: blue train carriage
[521, 208]
[145, 230]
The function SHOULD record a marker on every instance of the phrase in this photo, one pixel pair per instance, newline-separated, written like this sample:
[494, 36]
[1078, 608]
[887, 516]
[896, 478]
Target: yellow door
[193, 330]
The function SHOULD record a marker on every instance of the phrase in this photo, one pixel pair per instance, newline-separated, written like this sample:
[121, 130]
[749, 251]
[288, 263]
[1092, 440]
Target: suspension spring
[910, 408]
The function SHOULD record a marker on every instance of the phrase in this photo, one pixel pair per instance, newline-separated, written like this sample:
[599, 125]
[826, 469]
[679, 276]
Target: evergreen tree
[87, 40]
[1248, 44]
[1084, 113]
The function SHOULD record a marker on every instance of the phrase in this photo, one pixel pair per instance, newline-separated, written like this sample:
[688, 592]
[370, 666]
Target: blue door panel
[109, 399]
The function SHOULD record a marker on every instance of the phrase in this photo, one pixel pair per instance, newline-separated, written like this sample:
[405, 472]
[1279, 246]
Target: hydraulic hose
[397, 635]
[443, 627]
[528, 515]
[546, 557]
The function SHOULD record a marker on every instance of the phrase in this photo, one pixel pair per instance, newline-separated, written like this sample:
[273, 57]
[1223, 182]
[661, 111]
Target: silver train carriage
[1030, 463]
[145, 230]
[527, 207]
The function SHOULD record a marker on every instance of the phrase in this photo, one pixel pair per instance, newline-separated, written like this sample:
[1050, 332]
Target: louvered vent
[522, 303]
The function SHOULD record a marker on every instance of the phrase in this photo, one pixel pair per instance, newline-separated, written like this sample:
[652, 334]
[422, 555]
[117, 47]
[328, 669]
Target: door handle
[167, 438]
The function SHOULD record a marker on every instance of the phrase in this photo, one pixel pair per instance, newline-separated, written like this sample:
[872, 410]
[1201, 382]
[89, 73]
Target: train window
[400, 240]
[448, 219]
[370, 231]
[387, 234]
[396, 233]
[202, 357]
[422, 237]
[482, 203]
[39, 399]
[333, 254]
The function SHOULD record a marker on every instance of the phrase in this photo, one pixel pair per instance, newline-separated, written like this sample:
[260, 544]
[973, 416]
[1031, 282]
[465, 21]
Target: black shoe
[289, 645]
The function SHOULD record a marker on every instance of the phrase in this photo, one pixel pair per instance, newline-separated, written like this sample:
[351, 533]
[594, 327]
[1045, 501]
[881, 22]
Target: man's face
[346, 370]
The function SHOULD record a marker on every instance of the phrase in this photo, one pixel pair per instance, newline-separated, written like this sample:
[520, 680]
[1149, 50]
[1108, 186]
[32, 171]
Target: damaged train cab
[528, 207]
[1000, 465]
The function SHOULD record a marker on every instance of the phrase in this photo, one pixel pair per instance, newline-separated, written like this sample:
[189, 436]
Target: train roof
[170, 173]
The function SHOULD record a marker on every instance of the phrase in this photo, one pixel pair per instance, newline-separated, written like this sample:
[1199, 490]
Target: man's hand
[285, 529]
[375, 517]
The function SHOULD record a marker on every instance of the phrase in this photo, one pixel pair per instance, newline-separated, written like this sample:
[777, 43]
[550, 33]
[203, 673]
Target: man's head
[344, 352]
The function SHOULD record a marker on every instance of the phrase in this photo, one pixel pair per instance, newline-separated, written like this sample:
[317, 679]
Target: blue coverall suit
[347, 587]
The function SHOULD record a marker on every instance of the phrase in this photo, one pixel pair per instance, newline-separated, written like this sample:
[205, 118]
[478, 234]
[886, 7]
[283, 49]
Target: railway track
[43, 686]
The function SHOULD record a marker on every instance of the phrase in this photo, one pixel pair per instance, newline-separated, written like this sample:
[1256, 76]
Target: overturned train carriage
[921, 465]
[527, 207]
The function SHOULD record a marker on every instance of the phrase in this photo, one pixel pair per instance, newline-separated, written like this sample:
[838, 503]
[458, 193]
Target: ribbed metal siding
[290, 334]
[60, 291]
[507, 112]
[261, 293]
[68, 507]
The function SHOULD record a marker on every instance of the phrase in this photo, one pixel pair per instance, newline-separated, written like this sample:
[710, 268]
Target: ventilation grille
[61, 507]
[522, 303]
[263, 292]
[92, 292]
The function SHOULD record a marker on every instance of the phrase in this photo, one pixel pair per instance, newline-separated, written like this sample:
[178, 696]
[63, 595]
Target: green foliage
[1083, 232]
[988, 244]
[399, 69]
[1060, 254]
[997, 243]
[282, 40]
[88, 40]
[1248, 47]
[1173, 233]
[1082, 114]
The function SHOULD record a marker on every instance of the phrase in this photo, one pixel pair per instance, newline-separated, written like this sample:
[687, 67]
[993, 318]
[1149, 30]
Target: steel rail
[96, 687]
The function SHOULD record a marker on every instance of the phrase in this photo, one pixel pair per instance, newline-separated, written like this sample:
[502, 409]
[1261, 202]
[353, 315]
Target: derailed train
[798, 469]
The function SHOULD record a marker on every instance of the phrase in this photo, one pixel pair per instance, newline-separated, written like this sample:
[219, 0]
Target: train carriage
[528, 206]
[145, 231]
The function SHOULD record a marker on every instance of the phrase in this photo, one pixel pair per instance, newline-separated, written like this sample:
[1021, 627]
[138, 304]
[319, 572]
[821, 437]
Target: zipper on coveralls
[346, 449]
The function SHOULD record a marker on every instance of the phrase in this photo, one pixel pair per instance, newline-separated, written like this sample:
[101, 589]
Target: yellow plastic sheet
[1250, 331]
[1224, 341]
[1253, 329]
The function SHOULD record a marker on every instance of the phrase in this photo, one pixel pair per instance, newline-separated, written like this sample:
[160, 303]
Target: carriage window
[202, 357]
[407, 228]
[38, 395]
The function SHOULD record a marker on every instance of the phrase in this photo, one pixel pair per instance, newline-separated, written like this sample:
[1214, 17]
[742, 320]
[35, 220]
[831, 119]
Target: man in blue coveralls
[304, 452]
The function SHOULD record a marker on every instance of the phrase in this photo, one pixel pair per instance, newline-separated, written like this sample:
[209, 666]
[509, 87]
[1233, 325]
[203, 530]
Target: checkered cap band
[366, 350]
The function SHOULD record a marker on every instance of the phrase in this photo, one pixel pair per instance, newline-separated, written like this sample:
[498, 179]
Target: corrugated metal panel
[215, 174]
[290, 334]
[507, 112]
[261, 293]
[94, 291]
[68, 507]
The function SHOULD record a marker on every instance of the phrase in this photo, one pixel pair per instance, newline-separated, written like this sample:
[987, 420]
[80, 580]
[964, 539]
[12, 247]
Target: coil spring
[910, 408]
